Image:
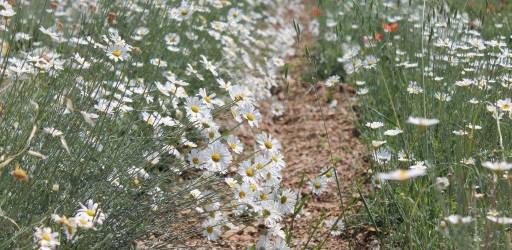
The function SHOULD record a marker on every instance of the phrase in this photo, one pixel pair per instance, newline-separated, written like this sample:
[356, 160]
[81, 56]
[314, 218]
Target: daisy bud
[19, 173]
[111, 18]
[136, 50]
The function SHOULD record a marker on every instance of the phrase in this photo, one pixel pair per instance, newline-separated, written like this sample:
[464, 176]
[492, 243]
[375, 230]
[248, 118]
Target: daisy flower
[422, 122]
[195, 108]
[401, 175]
[500, 220]
[249, 113]
[158, 62]
[45, 238]
[211, 229]
[457, 219]
[382, 156]
[207, 99]
[335, 226]
[377, 144]
[286, 201]
[414, 88]
[209, 66]
[235, 144]
[183, 12]
[267, 143]
[327, 172]
[6, 9]
[117, 52]
[269, 176]
[92, 210]
[237, 92]
[497, 166]
[68, 225]
[234, 15]
[211, 132]
[277, 160]
[84, 221]
[393, 132]
[504, 105]
[374, 125]
[331, 81]
[277, 109]
[243, 193]
[269, 212]
[217, 157]
[318, 185]
[247, 171]
[172, 39]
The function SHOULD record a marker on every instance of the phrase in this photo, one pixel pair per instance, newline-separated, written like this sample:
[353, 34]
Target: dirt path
[313, 131]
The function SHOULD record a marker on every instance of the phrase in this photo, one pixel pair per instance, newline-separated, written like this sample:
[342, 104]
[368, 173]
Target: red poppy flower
[390, 27]
[379, 36]
[316, 11]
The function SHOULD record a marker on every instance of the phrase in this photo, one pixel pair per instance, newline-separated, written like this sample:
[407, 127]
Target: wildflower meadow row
[118, 118]
[433, 85]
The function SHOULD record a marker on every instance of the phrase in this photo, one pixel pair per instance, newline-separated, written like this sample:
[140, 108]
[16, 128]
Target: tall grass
[447, 61]
[97, 116]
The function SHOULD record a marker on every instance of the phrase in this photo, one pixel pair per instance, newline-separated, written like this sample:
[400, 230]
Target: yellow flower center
[266, 213]
[46, 237]
[211, 135]
[259, 165]
[232, 146]
[268, 144]
[241, 194]
[184, 12]
[403, 175]
[151, 120]
[249, 172]
[317, 185]
[253, 187]
[116, 53]
[90, 212]
[195, 108]
[207, 99]
[239, 98]
[263, 196]
[83, 221]
[284, 199]
[505, 106]
[215, 157]
[250, 116]
[195, 160]
[209, 229]
[328, 174]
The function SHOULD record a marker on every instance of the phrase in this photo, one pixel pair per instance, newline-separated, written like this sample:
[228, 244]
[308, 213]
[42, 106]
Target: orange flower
[316, 11]
[390, 27]
[19, 173]
[379, 36]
